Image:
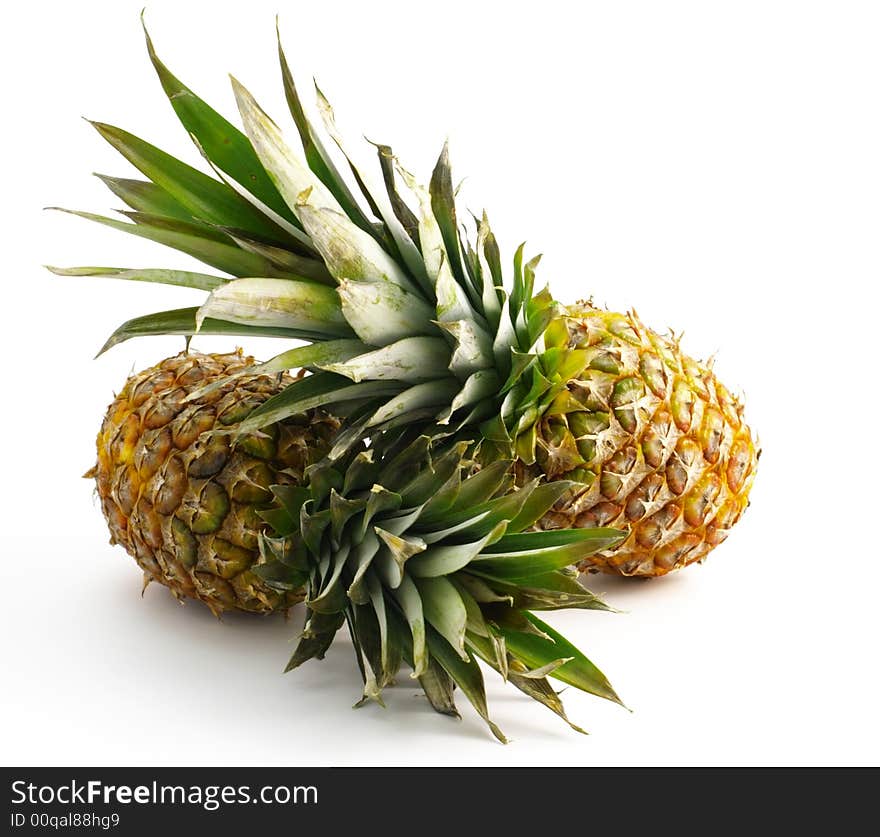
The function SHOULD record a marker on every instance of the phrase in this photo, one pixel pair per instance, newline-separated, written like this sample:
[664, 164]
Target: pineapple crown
[407, 320]
[430, 564]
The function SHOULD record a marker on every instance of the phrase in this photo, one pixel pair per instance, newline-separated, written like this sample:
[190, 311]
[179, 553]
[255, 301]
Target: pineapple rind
[180, 496]
[658, 446]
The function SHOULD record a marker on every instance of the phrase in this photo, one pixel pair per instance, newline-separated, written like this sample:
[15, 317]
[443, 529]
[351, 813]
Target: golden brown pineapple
[180, 496]
[660, 447]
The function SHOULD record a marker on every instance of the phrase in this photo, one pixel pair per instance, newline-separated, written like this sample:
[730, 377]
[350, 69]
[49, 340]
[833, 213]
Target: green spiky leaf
[537, 651]
[226, 146]
[206, 199]
[182, 321]
[143, 196]
[282, 303]
[192, 239]
[179, 278]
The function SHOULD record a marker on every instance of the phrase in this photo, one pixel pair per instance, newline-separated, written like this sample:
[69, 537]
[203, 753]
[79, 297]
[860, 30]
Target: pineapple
[657, 446]
[410, 323]
[425, 557]
[181, 496]
[456, 381]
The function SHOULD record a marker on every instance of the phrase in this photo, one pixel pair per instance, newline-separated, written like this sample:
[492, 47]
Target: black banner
[141, 800]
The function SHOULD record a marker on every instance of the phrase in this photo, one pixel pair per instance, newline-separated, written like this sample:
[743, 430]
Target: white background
[716, 165]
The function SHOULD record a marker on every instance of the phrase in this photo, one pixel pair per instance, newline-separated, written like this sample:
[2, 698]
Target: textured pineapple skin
[180, 496]
[660, 447]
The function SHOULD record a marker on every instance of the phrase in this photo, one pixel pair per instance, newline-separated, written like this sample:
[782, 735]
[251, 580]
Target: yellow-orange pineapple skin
[180, 496]
[660, 447]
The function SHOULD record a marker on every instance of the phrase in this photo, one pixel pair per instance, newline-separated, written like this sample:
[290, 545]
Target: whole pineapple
[413, 324]
[182, 495]
[655, 443]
